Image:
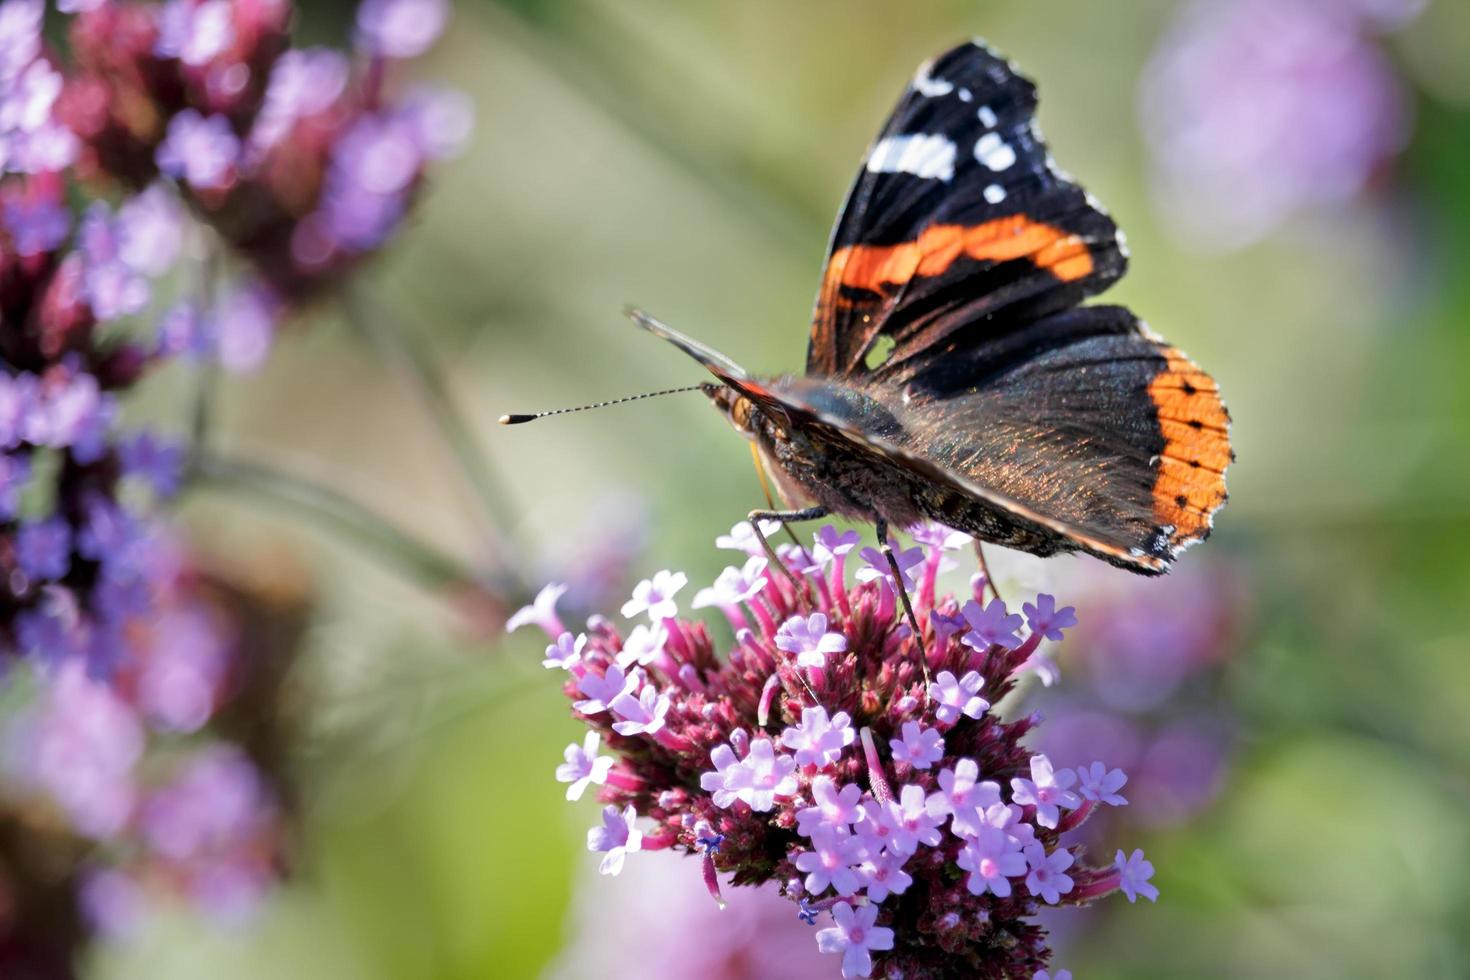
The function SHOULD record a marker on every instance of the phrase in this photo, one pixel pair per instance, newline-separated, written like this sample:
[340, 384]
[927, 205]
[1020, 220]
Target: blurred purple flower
[1253, 109]
[193, 32]
[43, 549]
[79, 745]
[215, 803]
[36, 224]
[157, 461]
[400, 28]
[181, 668]
[200, 150]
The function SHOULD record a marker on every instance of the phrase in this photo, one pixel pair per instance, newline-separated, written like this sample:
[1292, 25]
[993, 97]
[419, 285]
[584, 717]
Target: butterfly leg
[903, 595]
[985, 568]
[786, 517]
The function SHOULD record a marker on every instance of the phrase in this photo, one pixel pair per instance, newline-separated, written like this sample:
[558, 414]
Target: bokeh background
[1292, 177]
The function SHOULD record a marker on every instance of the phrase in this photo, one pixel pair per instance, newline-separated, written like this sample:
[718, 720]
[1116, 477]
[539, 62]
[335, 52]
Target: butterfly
[953, 373]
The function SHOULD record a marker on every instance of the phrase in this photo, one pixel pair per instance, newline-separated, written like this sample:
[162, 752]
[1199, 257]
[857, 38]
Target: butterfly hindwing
[1100, 434]
[958, 222]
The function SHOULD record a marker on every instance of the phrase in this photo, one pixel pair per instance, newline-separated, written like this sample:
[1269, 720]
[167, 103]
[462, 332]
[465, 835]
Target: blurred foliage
[689, 158]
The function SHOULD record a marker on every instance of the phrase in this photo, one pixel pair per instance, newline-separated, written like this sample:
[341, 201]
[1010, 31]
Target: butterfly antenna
[518, 419]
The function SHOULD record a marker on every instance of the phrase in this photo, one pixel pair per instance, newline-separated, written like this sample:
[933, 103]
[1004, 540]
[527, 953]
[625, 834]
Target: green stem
[411, 360]
[332, 508]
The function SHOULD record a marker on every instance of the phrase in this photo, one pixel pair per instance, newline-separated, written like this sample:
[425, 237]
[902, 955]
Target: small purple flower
[202, 151]
[1047, 790]
[1045, 618]
[920, 747]
[602, 690]
[182, 669]
[158, 462]
[441, 120]
[1134, 874]
[938, 537]
[819, 741]
[808, 638]
[1044, 667]
[962, 795]
[400, 28]
[216, 802]
[655, 596]
[36, 224]
[111, 901]
[541, 612]
[150, 231]
[583, 766]
[20, 34]
[757, 779]
[43, 549]
[910, 821]
[879, 569]
[855, 936]
[244, 321]
[828, 545]
[303, 82]
[735, 585]
[1047, 877]
[954, 697]
[831, 862]
[1011, 821]
[27, 98]
[992, 859]
[946, 626]
[643, 645]
[991, 626]
[832, 807]
[643, 714]
[1099, 783]
[742, 537]
[883, 875]
[1059, 975]
[566, 652]
[616, 838]
[195, 33]
[81, 747]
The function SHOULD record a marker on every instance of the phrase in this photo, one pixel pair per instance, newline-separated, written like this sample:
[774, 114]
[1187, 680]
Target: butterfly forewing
[957, 224]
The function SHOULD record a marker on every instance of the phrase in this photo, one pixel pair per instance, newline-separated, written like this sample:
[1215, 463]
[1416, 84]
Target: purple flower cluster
[90, 754]
[1253, 109]
[832, 752]
[160, 118]
[296, 157]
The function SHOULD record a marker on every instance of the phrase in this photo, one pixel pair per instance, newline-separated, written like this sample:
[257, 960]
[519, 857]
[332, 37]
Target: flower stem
[410, 359]
[332, 508]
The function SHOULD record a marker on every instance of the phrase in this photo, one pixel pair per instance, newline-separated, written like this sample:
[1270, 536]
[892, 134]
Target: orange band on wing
[1190, 485]
[871, 267]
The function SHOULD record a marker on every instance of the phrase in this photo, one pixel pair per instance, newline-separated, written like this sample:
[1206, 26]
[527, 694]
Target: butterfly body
[954, 373]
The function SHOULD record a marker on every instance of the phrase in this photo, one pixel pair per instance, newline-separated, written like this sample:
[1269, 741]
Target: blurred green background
[689, 157]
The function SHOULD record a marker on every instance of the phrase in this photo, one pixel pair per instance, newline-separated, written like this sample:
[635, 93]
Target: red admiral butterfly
[952, 373]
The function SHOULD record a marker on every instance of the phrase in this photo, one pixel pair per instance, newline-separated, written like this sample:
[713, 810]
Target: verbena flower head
[888, 800]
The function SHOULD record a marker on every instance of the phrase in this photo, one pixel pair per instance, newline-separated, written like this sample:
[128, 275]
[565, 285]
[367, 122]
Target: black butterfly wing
[957, 224]
[1099, 434]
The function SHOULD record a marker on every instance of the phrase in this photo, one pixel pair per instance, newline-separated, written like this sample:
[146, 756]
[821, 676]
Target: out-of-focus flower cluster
[187, 130]
[298, 158]
[1144, 688]
[831, 751]
[1253, 109]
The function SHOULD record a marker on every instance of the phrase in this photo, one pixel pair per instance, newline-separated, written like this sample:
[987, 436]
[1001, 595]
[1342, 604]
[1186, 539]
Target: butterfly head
[738, 409]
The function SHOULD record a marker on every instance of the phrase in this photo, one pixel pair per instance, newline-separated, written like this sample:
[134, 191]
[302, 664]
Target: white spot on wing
[918, 154]
[966, 95]
[995, 193]
[987, 117]
[927, 85]
[994, 152]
